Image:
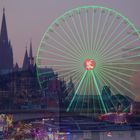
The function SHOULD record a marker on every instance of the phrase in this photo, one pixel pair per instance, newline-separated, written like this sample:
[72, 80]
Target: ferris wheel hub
[89, 64]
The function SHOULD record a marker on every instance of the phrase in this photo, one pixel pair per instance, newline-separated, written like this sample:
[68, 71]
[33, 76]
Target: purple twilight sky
[28, 19]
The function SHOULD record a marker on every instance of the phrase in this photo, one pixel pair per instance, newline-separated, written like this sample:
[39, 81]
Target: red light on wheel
[89, 64]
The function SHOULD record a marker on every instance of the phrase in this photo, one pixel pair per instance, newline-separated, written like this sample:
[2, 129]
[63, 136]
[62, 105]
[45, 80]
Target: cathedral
[19, 86]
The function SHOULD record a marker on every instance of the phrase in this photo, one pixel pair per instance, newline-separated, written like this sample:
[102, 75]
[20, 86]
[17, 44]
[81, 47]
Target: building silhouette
[6, 52]
[19, 86]
[28, 62]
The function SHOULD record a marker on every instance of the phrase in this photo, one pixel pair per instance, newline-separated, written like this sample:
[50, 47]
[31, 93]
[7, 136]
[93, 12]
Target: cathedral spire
[4, 10]
[6, 52]
[4, 34]
[31, 53]
[16, 68]
[25, 65]
[31, 58]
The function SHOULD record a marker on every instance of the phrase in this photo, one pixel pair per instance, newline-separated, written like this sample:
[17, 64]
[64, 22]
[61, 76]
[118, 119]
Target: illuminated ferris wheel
[95, 47]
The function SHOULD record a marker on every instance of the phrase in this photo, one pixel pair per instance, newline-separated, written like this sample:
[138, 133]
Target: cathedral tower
[25, 65]
[6, 52]
[31, 58]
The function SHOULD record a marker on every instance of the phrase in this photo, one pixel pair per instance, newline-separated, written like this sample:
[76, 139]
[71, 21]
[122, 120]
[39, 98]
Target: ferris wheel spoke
[115, 38]
[76, 76]
[135, 56]
[89, 93]
[102, 82]
[78, 49]
[81, 47]
[98, 91]
[108, 82]
[99, 97]
[107, 52]
[71, 46]
[80, 93]
[68, 73]
[124, 63]
[119, 54]
[77, 86]
[77, 32]
[93, 95]
[58, 60]
[76, 29]
[84, 95]
[88, 99]
[84, 91]
[76, 79]
[109, 38]
[106, 33]
[120, 68]
[105, 82]
[117, 77]
[117, 72]
[83, 77]
[54, 54]
[126, 58]
[57, 71]
[68, 44]
[83, 34]
[55, 66]
[65, 53]
[73, 71]
[99, 40]
[67, 68]
[120, 85]
[72, 54]
[87, 31]
[97, 32]
[59, 65]
[92, 31]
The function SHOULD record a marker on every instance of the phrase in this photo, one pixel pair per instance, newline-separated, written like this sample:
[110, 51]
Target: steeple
[6, 52]
[4, 34]
[31, 53]
[25, 65]
[31, 58]
[16, 68]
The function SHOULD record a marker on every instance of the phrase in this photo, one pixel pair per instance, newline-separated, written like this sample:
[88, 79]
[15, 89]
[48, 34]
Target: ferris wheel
[94, 46]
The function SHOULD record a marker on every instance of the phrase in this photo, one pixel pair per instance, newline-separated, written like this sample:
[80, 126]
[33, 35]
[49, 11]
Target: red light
[89, 64]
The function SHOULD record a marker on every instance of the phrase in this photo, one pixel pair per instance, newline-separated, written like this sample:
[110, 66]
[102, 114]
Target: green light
[98, 91]
[76, 91]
